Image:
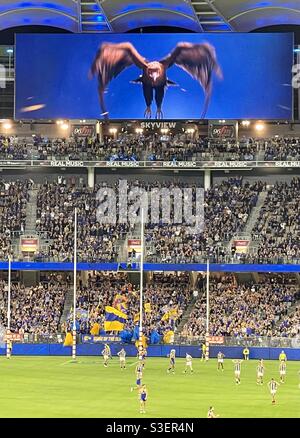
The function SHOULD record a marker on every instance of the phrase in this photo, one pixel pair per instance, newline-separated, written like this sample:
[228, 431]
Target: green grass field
[57, 387]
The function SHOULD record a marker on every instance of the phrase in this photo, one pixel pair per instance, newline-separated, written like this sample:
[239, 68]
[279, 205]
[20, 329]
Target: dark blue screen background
[52, 70]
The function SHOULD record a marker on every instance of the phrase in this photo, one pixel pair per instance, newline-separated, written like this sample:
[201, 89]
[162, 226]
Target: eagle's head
[155, 72]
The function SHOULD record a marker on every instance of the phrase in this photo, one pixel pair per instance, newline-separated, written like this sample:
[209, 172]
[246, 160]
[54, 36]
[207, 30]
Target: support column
[91, 177]
[236, 130]
[99, 131]
[207, 179]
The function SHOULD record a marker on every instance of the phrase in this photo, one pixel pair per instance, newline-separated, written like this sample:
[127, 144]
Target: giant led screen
[154, 76]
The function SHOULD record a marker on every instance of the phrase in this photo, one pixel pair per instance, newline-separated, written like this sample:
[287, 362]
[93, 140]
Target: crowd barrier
[200, 267]
[153, 351]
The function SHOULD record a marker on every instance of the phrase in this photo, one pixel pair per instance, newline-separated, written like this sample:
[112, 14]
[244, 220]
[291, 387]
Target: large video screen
[143, 76]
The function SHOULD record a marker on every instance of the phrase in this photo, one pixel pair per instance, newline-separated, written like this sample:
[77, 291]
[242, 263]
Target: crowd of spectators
[187, 147]
[96, 242]
[282, 149]
[14, 148]
[13, 200]
[277, 229]
[226, 210]
[126, 146]
[245, 310]
[34, 310]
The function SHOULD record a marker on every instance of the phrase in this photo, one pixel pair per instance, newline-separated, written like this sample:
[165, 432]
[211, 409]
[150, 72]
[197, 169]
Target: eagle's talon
[159, 114]
[147, 113]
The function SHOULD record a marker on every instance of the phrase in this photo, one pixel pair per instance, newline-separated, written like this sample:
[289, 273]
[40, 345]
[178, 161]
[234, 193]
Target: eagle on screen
[198, 60]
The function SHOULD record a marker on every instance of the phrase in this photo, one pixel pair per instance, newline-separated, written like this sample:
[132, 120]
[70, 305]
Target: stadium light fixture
[259, 127]
[7, 125]
[246, 123]
[64, 126]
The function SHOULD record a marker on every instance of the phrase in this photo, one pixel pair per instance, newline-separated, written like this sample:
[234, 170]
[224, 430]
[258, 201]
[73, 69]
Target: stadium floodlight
[259, 126]
[7, 125]
[65, 126]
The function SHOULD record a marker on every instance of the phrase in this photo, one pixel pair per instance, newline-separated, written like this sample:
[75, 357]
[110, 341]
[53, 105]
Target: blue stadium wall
[153, 351]
[200, 267]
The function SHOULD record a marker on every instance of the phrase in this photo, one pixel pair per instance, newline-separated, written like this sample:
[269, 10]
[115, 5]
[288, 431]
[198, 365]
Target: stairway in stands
[68, 305]
[186, 315]
[255, 212]
[31, 210]
[93, 18]
[246, 234]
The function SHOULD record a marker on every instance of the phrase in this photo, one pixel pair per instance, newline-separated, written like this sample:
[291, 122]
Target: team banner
[154, 76]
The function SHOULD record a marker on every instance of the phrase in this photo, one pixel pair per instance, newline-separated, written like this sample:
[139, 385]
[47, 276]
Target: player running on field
[237, 370]
[260, 371]
[220, 358]
[211, 413]
[139, 376]
[172, 361]
[188, 363]
[106, 354]
[144, 355]
[282, 371]
[122, 357]
[273, 386]
[143, 394]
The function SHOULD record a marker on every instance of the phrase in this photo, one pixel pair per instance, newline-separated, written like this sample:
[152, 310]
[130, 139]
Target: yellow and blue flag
[114, 319]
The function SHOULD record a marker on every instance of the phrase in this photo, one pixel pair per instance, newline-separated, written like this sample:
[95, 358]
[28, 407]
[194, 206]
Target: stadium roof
[122, 15]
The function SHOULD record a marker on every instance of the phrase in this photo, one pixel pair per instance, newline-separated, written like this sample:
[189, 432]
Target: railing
[268, 342]
[254, 341]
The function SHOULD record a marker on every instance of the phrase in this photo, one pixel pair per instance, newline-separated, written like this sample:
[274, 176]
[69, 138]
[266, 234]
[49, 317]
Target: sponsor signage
[83, 130]
[151, 164]
[16, 337]
[241, 246]
[29, 244]
[215, 339]
[97, 339]
[222, 131]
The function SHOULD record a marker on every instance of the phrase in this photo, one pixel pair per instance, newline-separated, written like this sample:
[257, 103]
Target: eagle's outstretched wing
[110, 60]
[198, 60]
